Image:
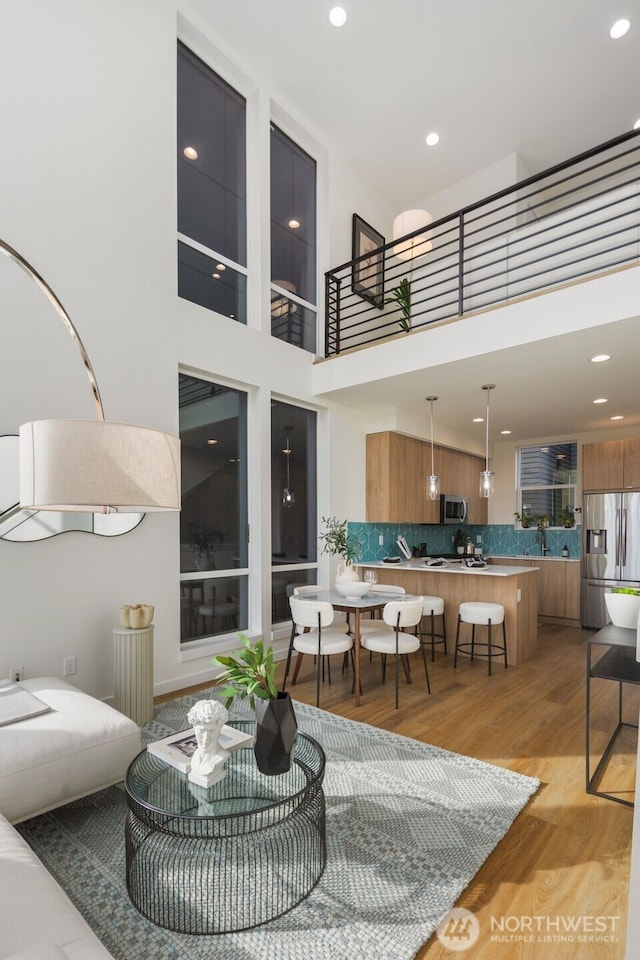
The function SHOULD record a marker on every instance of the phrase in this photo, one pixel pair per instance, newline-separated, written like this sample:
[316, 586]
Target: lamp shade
[406, 223]
[98, 466]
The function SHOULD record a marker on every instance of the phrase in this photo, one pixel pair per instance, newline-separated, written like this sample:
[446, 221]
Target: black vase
[276, 728]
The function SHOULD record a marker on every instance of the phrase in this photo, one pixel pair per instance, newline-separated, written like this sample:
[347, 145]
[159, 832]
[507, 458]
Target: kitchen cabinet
[611, 465]
[397, 468]
[558, 585]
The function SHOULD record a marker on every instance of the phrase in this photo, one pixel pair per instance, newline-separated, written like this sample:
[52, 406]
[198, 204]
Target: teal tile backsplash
[498, 539]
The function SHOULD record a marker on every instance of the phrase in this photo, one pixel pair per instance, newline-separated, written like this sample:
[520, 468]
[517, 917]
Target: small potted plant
[401, 296]
[623, 606]
[459, 540]
[252, 675]
[522, 519]
[337, 542]
[566, 518]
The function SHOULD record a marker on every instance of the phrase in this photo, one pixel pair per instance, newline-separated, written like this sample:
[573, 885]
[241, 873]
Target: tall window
[213, 521]
[547, 481]
[212, 243]
[294, 536]
[293, 243]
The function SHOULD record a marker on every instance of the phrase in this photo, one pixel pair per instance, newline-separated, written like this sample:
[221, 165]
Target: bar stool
[434, 607]
[485, 614]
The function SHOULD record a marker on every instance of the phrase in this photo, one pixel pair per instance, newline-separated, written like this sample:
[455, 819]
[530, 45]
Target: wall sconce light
[408, 222]
[433, 482]
[288, 496]
[487, 476]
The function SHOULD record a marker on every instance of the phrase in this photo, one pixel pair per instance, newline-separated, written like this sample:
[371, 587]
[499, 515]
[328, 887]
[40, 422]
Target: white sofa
[80, 746]
[39, 922]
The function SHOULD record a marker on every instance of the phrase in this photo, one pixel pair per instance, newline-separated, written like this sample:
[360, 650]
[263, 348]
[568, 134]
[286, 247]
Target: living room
[89, 198]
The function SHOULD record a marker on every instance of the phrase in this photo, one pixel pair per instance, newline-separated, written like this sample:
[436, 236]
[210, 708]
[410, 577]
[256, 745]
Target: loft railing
[574, 220]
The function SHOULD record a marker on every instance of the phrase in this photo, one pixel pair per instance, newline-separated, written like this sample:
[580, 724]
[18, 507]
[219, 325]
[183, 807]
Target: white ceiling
[539, 79]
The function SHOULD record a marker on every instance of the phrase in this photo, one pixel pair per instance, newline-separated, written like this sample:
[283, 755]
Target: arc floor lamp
[96, 466]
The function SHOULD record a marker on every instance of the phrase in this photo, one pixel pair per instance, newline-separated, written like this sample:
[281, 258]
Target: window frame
[522, 488]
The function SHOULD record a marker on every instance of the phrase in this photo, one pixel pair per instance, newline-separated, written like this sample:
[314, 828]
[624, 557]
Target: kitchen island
[515, 587]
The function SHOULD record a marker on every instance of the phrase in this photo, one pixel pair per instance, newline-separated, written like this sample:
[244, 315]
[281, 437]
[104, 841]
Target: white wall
[87, 194]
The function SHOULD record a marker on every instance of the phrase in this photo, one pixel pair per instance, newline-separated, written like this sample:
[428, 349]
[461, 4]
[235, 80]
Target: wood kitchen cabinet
[558, 585]
[611, 465]
[397, 468]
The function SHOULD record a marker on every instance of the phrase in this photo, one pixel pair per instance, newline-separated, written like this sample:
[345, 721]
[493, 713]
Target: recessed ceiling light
[618, 417]
[478, 419]
[636, 125]
[431, 139]
[619, 29]
[190, 153]
[601, 400]
[220, 266]
[338, 16]
[212, 441]
[232, 316]
[216, 276]
[294, 224]
[600, 358]
[505, 432]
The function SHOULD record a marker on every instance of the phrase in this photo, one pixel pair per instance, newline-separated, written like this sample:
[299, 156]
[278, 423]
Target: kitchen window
[547, 477]
[211, 141]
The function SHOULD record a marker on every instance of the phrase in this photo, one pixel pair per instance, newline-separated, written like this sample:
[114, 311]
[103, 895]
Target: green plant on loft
[401, 296]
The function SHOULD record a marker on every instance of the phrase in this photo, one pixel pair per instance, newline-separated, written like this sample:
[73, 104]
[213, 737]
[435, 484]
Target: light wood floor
[568, 853]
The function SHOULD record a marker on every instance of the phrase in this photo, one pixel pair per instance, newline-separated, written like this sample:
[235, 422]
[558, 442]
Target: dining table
[356, 605]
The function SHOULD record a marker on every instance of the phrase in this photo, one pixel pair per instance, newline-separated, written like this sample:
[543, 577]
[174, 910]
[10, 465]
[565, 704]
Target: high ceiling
[495, 78]
[541, 79]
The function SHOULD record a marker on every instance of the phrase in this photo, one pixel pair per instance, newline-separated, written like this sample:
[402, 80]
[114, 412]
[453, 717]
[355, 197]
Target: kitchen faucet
[541, 539]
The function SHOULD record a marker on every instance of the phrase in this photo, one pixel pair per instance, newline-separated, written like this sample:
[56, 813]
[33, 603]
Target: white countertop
[453, 566]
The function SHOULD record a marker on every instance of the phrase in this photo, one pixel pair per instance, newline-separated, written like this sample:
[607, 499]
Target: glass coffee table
[231, 856]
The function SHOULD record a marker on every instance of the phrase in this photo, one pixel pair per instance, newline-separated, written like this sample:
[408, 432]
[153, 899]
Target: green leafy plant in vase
[252, 674]
[401, 297]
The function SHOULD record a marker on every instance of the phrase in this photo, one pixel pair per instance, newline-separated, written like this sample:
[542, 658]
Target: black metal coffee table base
[230, 857]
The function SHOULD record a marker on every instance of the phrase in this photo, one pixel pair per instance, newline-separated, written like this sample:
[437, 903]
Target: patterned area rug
[408, 826]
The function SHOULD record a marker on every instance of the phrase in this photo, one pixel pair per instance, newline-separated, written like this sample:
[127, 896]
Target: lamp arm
[62, 313]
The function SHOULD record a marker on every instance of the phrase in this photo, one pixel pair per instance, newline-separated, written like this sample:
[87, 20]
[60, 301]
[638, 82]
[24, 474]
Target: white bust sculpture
[207, 763]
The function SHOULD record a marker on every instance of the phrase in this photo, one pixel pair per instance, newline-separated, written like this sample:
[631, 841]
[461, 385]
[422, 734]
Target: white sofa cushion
[81, 746]
[39, 921]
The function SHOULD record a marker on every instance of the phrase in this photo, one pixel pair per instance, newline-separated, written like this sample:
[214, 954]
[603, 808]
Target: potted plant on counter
[623, 606]
[522, 519]
[459, 540]
[252, 675]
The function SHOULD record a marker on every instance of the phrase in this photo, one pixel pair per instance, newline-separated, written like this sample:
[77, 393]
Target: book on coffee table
[178, 749]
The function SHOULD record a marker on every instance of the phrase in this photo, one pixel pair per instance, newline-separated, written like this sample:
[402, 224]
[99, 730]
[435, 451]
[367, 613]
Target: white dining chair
[375, 624]
[320, 641]
[400, 616]
[340, 619]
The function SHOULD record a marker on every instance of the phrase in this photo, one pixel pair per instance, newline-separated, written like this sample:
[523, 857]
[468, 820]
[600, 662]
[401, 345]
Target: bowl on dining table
[354, 590]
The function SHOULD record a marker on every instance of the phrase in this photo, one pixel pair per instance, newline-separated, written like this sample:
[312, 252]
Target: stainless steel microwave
[453, 509]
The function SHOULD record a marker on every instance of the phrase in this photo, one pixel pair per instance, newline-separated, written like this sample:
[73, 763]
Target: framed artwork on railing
[368, 274]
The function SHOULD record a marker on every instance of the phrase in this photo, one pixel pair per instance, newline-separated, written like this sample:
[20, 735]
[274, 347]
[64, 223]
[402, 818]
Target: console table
[227, 857]
[619, 664]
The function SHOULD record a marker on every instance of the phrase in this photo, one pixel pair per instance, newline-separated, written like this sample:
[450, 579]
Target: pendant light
[433, 482]
[288, 496]
[486, 475]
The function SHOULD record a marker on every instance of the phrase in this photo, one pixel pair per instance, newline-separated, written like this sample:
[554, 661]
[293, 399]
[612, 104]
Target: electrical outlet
[16, 674]
[69, 666]
[380, 540]
[479, 538]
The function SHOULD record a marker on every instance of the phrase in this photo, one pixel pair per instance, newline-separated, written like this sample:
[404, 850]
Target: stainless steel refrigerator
[610, 550]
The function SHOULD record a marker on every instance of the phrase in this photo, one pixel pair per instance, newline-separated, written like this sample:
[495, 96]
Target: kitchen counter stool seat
[434, 607]
[481, 614]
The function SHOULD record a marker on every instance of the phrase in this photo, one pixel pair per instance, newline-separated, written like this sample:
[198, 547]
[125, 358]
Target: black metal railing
[574, 220]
